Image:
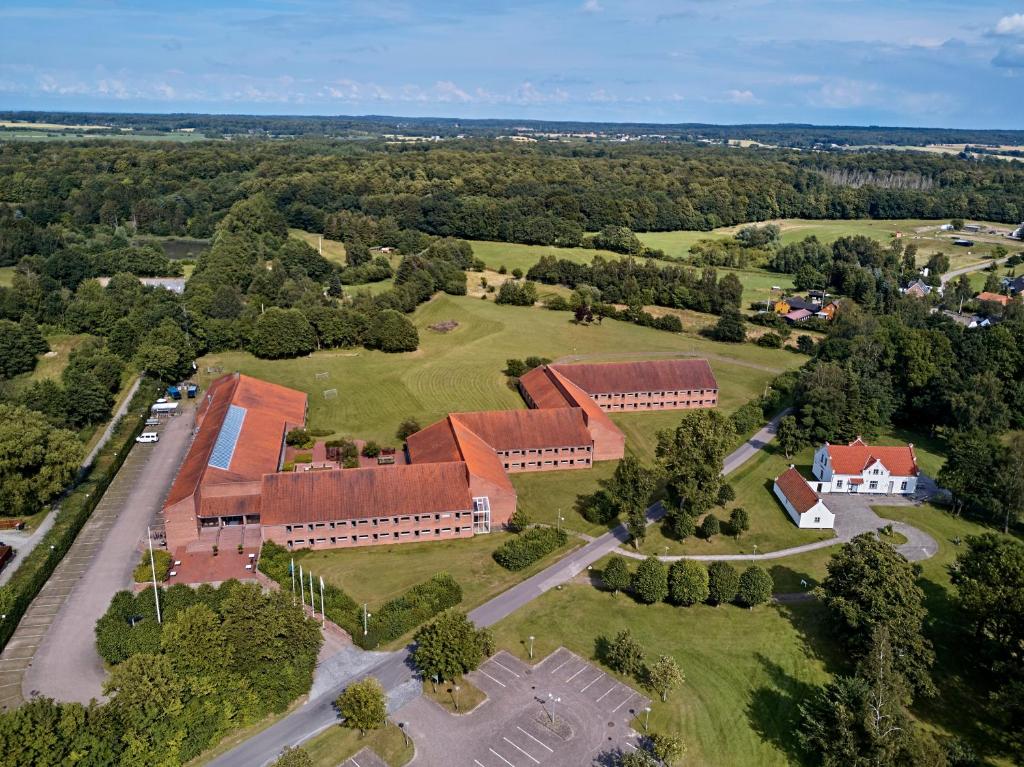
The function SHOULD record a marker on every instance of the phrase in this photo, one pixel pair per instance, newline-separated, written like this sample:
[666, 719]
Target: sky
[850, 62]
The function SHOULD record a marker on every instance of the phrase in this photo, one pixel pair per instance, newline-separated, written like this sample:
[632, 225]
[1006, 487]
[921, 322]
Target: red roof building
[802, 504]
[860, 467]
[996, 298]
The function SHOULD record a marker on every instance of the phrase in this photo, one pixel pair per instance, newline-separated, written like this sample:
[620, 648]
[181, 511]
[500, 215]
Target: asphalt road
[396, 669]
[66, 665]
[954, 273]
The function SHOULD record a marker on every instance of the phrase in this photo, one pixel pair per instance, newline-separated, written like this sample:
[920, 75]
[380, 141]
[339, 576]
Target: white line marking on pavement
[576, 674]
[477, 761]
[627, 700]
[606, 693]
[501, 665]
[506, 761]
[355, 762]
[535, 740]
[559, 666]
[631, 745]
[592, 682]
[491, 678]
[535, 761]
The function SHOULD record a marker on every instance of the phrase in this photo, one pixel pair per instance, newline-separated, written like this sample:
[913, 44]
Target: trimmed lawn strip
[336, 744]
[469, 696]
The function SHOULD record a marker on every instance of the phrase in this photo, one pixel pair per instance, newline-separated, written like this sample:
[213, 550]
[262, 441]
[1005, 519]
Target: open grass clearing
[517, 256]
[336, 744]
[375, 574]
[6, 276]
[455, 702]
[332, 249]
[745, 669]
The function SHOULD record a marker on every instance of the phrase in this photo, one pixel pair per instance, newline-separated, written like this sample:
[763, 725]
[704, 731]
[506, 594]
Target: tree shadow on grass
[786, 580]
[773, 710]
[811, 622]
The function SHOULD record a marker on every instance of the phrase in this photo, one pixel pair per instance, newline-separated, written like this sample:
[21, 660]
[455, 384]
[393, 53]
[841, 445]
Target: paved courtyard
[519, 725]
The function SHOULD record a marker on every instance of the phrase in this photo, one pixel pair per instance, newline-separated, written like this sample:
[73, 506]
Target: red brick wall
[376, 531]
[640, 401]
[553, 459]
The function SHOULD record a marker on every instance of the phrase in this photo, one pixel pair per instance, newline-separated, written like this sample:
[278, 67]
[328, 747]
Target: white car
[148, 436]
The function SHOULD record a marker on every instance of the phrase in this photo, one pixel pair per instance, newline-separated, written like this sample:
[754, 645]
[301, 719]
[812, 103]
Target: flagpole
[152, 566]
[291, 571]
[302, 591]
[323, 611]
[312, 596]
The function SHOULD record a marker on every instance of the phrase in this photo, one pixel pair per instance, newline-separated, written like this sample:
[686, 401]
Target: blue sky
[892, 62]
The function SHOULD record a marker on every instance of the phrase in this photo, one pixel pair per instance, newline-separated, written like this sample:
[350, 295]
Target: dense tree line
[222, 658]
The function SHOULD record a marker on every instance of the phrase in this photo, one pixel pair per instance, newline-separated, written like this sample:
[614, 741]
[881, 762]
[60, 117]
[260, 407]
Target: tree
[196, 626]
[515, 368]
[650, 581]
[755, 587]
[450, 646]
[687, 582]
[730, 327]
[625, 654]
[788, 435]
[518, 521]
[637, 758]
[726, 494]
[282, 333]
[616, 575]
[739, 521]
[710, 527]
[16, 352]
[870, 586]
[392, 332]
[370, 449]
[629, 491]
[804, 344]
[407, 428]
[31, 335]
[37, 460]
[680, 524]
[293, 757]
[692, 457]
[363, 705]
[667, 748]
[723, 583]
[664, 676]
[989, 580]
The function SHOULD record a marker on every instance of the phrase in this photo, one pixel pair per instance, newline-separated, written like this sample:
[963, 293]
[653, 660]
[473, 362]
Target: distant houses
[800, 501]
[995, 298]
[862, 468]
[918, 289]
[794, 309]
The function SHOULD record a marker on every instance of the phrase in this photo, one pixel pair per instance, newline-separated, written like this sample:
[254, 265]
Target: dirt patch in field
[444, 327]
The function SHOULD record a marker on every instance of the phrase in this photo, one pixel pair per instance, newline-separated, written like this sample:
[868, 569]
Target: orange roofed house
[862, 468]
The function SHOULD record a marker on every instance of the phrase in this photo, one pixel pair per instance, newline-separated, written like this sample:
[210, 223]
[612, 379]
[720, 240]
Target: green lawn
[336, 744]
[333, 250]
[6, 276]
[375, 574]
[543, 494]
[461, 369]
[745, 669]
[513, 255]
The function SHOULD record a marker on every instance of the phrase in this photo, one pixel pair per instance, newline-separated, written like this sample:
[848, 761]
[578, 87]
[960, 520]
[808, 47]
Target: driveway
[65, 664]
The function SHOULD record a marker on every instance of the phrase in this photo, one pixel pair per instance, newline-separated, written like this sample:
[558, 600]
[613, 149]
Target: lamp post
[553, 700]
[647, 719]
[152, 567]
[455, 696]
[366, 618]
[755, 549]
[531, 647]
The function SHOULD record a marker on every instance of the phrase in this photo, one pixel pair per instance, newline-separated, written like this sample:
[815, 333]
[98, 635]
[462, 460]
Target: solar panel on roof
[224, 447]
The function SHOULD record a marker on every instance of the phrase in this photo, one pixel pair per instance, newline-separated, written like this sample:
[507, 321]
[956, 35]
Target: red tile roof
[797, 491]
[527, 429]
[322, 496]
[649, 375]
[857, 456]
[994, 297]
[450, 440]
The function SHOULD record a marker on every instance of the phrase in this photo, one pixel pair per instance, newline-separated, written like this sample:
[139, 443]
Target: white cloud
[448, 91]
[842, 94]
[741, 97]
[1010, 25]
[592, 6]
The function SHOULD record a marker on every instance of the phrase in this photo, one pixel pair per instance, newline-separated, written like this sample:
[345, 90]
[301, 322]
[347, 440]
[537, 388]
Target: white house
[863, 468]
[801, 502]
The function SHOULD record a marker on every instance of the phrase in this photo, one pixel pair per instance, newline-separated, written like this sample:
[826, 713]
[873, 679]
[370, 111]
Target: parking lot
[562, 711]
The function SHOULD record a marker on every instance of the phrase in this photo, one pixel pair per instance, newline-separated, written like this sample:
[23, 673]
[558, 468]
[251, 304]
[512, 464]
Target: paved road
[954, 273]
[23, 543]
[395, 671]
[60, 622]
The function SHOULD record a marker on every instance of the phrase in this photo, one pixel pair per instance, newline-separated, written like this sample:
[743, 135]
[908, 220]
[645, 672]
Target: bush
[650, 581]
[144, 573]
[535, 362]
[680, 524]
[528, 547]
[407, 428]
[371, 449]
[730, 327]
[687, 582]
[502, 269]
[755, 587]
[710, 527]
[805, 344]
[770, 341]
[598, 507]
[557, 303]
[726, 494]
[392, 332]
[723, 583]
[518, 522]
[298, 438]
[616, 574]
[748, 418]
[517, 273]
[282, 333]
[517, 293]
[515, 368]
[739, 521]
[625, 654]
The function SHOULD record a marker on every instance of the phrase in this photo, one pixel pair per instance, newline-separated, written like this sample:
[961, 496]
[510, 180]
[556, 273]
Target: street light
[455, 697]
[755, 549]
[647, 719]
[531, 647]
[366, 618]
[553, 700]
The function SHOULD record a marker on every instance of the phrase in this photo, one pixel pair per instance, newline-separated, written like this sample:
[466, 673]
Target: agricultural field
[24, 134]
[516, 256]
[462, 369]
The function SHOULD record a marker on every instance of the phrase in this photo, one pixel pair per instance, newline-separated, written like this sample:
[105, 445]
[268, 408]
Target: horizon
[911, 64]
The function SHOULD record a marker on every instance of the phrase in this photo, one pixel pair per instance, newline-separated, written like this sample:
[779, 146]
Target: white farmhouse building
[862, 468]
[801, 502]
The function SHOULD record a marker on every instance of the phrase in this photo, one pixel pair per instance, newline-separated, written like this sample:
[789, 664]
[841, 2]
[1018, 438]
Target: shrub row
[37, 567]
[526, 548]
[390, 621]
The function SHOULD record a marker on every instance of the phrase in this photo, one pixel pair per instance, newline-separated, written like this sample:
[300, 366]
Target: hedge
[390, 620]
[36, 568]
[528, 547]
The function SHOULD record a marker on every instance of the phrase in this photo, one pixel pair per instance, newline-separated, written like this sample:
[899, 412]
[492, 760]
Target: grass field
[514, 255]
[50, 135]
[6, 276]
[375, 574]
[336, 744]
[745, 669]
[462, 369]
[333, 250]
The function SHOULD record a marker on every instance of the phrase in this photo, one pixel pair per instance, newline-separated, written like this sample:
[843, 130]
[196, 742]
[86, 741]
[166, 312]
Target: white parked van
[148, 436]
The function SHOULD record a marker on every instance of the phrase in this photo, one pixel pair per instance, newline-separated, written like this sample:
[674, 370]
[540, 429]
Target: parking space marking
[535, 740]
[560, 665]
[491, 678]
[577, 673]
[517, 748]
[506, 761]
[627, 700]
[592, 682]
[606, 692]
[477, 761]
[501, 665]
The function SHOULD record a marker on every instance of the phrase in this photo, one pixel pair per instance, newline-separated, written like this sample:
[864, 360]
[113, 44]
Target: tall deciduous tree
[450, 646]
[687, 582]
[650, 581]
[664, 676]
[37, 460]
[363, 705]
[755, 586]
[616, 574]
[692, 456]
[723, 583]
[626, 654]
